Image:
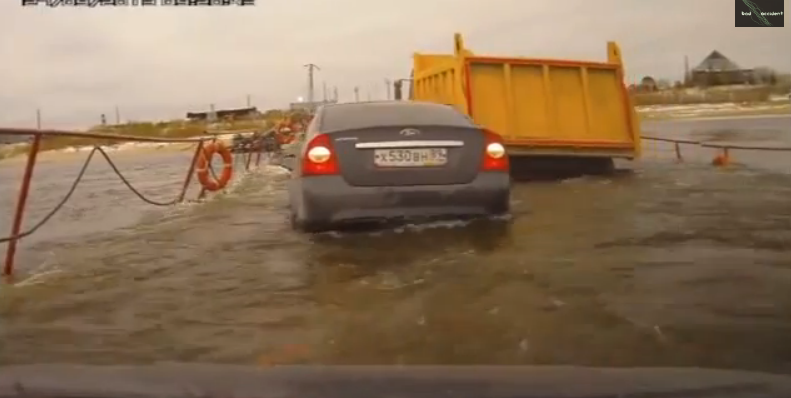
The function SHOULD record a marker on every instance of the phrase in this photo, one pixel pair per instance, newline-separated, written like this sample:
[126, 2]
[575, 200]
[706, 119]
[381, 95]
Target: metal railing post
[249, 156]
[188, 178]
[21, 203]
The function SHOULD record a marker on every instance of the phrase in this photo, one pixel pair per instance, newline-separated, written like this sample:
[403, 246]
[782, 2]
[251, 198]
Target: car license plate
[424, 157]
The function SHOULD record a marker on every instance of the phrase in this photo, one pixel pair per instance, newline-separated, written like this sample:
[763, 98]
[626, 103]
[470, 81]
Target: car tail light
[320, 157]
[495, 157]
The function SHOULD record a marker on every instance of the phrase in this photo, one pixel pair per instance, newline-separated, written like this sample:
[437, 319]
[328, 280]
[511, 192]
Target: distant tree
[663, 84]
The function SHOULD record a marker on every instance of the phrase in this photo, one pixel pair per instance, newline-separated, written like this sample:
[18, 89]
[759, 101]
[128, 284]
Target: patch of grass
[172, 129]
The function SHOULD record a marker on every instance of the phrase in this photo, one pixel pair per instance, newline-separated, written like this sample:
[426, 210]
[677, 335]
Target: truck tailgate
[552, 105]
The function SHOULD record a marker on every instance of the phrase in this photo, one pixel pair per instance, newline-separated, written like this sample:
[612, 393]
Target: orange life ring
[202, 167]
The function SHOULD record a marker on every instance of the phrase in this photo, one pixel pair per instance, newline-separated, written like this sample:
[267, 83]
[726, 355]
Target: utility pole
[324, 87]
[212, 116]
[387, 86]
[248, 100]
[117, 116]
[356, 94]
[335, 94]
[397, 89]
[398, 85]
[311, 69]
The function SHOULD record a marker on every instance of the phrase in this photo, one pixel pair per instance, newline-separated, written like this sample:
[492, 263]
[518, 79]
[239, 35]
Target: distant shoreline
[710, 111]
[718, 117]
[59, 154]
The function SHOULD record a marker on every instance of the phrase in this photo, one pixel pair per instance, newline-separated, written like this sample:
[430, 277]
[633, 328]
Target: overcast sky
[158, 63]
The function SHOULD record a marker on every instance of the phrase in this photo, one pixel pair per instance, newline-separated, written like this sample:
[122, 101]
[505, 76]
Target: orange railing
[35, 149]
[723, 156]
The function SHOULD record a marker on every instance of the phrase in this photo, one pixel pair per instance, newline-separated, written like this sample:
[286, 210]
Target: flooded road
[669, 265]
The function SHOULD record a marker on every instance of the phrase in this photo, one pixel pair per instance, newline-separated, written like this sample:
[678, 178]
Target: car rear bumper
[330, 200]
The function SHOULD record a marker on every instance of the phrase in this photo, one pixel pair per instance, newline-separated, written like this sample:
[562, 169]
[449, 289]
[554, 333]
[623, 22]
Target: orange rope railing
[723, 156]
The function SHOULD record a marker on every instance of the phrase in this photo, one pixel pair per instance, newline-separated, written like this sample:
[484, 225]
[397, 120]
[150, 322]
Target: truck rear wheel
[531, 168]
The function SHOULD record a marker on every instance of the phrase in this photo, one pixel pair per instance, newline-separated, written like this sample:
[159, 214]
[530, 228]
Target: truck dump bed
[540, 106]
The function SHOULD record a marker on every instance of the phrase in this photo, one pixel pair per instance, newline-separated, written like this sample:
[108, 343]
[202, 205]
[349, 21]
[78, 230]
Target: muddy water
[671, 264]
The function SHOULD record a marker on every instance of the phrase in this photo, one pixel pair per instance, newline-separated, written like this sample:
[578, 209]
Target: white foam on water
[417, 228]
[447, 224]
[46, 272]
[38, 278]
[234, 187]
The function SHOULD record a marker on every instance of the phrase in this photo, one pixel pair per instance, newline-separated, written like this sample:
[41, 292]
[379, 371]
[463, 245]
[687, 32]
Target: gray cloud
[75, 64]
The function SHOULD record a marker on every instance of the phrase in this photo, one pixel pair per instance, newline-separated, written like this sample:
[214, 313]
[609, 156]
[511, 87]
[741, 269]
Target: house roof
[716, 62]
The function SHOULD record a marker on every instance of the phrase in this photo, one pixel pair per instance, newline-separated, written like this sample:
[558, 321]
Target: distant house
[717, 70]
[224, 114]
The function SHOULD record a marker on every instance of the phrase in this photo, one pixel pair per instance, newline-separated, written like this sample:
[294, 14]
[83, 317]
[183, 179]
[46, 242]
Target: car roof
[356, 115]
[388, 103]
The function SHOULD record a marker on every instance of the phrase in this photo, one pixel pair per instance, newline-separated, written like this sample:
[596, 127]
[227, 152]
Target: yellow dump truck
[557, 116]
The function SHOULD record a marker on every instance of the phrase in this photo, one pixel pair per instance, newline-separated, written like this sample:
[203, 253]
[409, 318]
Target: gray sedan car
[392, 161]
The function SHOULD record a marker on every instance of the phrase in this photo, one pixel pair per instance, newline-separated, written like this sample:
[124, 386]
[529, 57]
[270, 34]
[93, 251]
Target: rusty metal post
[249, 156]
[723, 159]
[678, 152]
[21, 203]
[188, 179]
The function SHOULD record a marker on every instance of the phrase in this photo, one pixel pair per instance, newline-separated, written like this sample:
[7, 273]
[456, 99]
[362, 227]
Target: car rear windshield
[372, 114]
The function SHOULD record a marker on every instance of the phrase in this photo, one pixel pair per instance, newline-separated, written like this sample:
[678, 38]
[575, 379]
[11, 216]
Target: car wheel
[307, 226]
